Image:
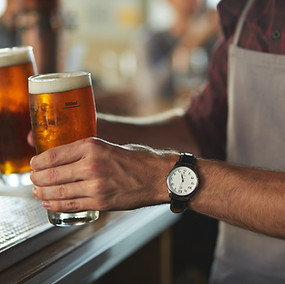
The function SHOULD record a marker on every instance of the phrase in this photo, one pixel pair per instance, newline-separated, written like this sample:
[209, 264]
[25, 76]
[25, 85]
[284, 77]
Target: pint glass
[62, 110]
[16, 65]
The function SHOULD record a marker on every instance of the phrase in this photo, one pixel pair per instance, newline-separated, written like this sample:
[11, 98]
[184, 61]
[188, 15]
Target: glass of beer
[16, 65]
[62, 110]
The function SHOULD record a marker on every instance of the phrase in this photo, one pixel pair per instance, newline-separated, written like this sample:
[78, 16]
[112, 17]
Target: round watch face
[182, 181]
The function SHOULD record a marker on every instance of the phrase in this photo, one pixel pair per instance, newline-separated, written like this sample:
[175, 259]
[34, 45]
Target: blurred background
[144, 55]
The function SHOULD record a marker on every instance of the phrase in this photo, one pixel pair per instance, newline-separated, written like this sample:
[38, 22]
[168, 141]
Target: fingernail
[31, 162]
[34, 191]
[46, 204]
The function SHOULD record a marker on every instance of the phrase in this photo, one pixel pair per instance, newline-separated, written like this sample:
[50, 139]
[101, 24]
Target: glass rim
[58, 82]
[57, 76]
[15, 49]
[16, 55]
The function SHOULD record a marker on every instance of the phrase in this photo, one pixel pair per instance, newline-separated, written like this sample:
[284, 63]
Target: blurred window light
[3, 4]
[160, 14]
[128, 64]
[212, 4]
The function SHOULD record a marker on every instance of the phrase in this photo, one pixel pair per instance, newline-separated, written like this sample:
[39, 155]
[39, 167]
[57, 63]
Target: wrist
[205, 201]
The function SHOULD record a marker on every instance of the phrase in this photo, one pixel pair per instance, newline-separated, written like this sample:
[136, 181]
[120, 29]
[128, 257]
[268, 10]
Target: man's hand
[92, 174]
[30, 139]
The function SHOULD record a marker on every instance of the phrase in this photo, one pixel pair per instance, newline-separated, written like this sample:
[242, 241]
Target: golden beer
[16, 65]
[62, 110]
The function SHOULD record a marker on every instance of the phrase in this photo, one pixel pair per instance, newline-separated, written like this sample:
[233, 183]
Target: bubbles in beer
[64, 116]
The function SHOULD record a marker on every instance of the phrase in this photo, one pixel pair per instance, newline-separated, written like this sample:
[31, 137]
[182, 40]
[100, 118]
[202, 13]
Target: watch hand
[182, 180]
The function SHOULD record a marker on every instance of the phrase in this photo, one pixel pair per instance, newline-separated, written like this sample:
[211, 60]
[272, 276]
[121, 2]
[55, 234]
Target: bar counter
[33, 251]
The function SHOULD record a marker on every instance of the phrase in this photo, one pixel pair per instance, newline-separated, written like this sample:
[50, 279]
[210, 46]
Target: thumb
[30, 139]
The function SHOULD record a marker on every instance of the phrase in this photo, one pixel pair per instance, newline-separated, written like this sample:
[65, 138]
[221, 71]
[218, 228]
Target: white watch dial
[182, 181]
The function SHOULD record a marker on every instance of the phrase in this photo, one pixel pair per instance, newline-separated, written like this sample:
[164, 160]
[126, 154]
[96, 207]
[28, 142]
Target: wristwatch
[182, 182]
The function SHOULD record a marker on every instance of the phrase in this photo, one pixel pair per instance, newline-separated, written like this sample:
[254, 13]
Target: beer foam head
[16, 55]
[58, 82]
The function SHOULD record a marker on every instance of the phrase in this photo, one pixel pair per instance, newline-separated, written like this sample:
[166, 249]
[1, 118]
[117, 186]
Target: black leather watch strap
[178, 204]
[186, 159]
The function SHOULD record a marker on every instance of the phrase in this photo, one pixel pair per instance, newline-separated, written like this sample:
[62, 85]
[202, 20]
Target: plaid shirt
[264, 31]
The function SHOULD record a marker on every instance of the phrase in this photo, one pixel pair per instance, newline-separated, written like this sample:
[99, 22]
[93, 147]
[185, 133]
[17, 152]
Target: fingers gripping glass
[62, 110]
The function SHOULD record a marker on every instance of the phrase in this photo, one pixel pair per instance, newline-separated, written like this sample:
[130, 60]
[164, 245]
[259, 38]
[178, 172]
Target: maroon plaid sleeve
[207, 114]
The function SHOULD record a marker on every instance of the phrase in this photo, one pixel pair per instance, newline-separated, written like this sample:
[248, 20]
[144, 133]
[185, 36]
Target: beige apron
[255, 137]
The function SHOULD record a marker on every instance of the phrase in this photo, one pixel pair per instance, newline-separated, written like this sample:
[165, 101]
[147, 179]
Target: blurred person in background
[35, 23]
[163, 56]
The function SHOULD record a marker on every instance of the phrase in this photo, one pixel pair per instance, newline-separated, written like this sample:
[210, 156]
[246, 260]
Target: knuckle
[104, 196]
[93, 145]
[89, 140]
[72, 205]
[62, 191]
[88, 144]
[100, 185]
[51, 156]
[89, 168]
[52, 175]
[96, 195]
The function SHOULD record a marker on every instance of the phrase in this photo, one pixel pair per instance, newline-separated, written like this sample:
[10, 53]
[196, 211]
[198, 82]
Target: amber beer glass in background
[16, 65]
[62, 111]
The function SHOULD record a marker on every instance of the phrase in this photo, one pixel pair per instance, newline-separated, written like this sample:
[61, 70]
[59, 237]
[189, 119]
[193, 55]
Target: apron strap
[241, 22]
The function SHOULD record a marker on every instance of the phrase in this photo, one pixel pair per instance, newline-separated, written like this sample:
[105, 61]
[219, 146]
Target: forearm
[247, 197]
[168, 130]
